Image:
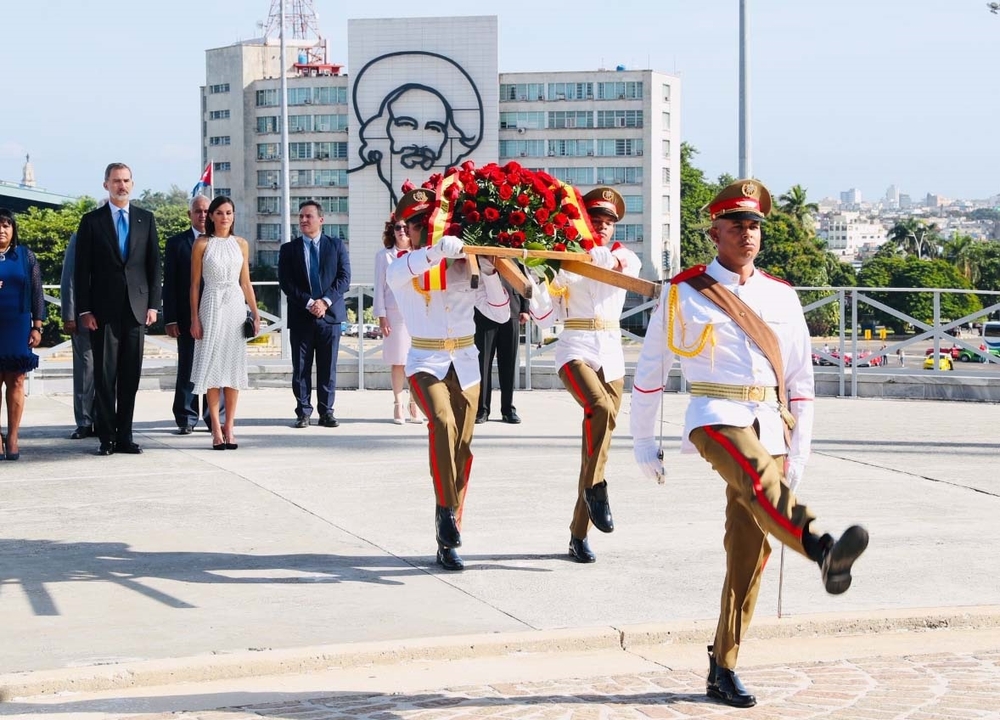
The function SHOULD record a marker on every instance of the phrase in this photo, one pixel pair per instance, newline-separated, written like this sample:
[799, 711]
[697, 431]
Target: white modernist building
[425, 94]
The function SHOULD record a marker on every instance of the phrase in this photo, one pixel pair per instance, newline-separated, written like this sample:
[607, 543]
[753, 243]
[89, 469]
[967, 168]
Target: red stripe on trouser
[435, 471]
[758, 489]
[465, 487]
[587, 410]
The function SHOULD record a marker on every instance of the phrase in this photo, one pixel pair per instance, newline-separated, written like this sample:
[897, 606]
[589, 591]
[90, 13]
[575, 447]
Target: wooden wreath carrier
[579, 263]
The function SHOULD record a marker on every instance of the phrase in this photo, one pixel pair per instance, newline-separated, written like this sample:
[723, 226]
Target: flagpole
[211, 177]
[286, 213]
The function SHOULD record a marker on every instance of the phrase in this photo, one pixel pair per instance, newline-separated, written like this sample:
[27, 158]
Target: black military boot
[449, 559]
[446, 528]
[724, 684]
[598, 507]
[838, 558]
[580, 550]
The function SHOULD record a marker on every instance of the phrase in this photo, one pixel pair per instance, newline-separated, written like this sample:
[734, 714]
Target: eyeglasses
[399, 226]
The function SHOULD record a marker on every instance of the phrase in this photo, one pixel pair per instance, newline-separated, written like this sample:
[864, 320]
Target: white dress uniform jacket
[732, 359]
[585, 298]
[443, 314]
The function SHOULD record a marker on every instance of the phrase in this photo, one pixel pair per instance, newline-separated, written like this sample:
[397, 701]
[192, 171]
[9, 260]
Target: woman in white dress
[220, 259]
[396, 342]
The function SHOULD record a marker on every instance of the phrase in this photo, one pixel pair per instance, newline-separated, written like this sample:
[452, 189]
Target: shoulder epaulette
[772, 277]
[691, 272]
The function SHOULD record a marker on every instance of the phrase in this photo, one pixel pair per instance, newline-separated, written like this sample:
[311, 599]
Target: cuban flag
[205, 182]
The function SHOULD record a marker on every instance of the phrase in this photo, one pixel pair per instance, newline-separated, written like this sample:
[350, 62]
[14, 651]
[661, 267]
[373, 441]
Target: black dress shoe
[446, 528]
[302, 422]
[511, 417]
[329, 420]
[482, 417]
[840, 556]
[598, 507]
[449, 559]
[107, 448]
[185, 430]
[129, 448]
[81, 432]
[724, 684]
[580, 550]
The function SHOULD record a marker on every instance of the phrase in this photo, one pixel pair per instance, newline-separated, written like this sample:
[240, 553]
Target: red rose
[466, 177]
[469, 206]
[468, 165]
[549, 229]
[572, 211]
[523, 200]
[514, 178]
[471, 188]
[587, 244]
[497, 176]
[504, 239]
[517, 239]
[407, 186]
[450, 171]
[549, 200]
[491, 214]
[454, 229]
[512, 167]
[506, 192]
[517, 218]
[428, 185]
[541, 215]
[473, 217]
[435, 178]
[571, 233]
[453, 192]
[559, 247]
[560, 219]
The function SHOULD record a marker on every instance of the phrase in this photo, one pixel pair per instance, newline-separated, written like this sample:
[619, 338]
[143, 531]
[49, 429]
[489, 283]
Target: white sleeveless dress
[220, 357]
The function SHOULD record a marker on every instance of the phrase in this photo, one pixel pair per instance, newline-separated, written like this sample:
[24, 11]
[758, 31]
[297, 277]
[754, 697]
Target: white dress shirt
[732, 359]
[442, 314]
[305, 250]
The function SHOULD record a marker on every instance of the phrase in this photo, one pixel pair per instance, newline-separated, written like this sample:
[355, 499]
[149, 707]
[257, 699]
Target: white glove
[447, 247]
[486, 266]
[650, 459]
[601, 257]
[794, 470]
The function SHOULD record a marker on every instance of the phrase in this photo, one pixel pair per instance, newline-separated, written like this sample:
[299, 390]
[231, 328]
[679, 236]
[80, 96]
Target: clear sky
[844, 93]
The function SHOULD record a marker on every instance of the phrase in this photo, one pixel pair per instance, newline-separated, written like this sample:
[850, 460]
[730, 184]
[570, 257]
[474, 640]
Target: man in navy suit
[314, 272]
[117, 287]
[177, 317]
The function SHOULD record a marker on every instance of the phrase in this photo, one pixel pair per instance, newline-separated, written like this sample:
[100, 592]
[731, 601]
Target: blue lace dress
[20, 300]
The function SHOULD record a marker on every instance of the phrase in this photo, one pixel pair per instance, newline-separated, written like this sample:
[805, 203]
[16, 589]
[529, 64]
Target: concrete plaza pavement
[310, 549]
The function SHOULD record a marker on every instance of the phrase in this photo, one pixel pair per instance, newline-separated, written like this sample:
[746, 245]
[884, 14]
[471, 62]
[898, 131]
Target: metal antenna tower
[301, 23]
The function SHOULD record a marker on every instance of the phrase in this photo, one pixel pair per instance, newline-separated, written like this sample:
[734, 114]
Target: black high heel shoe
[221, 445]
[229, 445]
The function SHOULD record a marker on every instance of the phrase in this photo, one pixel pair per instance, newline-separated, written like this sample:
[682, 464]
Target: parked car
[966, 355]
[351, 329]
[373, 331]
[944, 362]
[952, 352]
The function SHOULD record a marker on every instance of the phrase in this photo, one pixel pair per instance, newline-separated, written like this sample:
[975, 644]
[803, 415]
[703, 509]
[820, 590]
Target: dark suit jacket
[518, 305]
[105, 284]
[177, 280]
[334, 275]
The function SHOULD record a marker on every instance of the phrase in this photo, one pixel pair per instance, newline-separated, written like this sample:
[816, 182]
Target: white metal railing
[842, 359]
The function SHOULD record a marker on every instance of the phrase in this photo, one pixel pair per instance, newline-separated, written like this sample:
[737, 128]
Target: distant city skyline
[844, 95]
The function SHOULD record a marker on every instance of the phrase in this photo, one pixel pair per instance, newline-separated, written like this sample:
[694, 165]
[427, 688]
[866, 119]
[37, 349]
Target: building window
[666, 203]
[619, 175]
[300, 151]
[299, 123]
[268, 98]
[607, 148]
[633, 204]
[571, 119]
[666, 176]
[619, 90]
[573, 176]
[337, 231]
[666, 93]
[268, 205]
[666, 121]
[269, 178]
[528, 120]
[331, 204]
[665, 230]
[216, 89]
[329, 96]
[268, 151]
[218, 115]
[218, 140]
[268, 124]
[522, 148]
[330, 123]
[299, 178]
[219, 191]
[330, 178]
[666, 148]
[619, 118]
[522, 91]
[571, 91]
[628, 233]
[267, 258]
[571, 148]
[269, 231]
[331, 150]
[222, 166]
[300, 96]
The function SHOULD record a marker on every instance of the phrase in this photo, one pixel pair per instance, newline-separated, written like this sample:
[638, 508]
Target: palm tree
[794, 203]
[915, 237]
[962, 251]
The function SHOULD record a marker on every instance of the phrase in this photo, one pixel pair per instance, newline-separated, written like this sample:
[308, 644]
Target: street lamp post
[744, 124]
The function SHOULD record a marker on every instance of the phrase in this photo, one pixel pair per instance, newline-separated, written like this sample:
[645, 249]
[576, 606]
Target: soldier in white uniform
[590, 360]
[443, 363]
[740, 414]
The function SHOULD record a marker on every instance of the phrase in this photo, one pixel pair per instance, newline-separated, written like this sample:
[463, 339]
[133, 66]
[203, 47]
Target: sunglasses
[399, 226]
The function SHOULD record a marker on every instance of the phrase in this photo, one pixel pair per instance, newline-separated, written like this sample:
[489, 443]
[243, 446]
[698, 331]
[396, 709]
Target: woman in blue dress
[22, 310]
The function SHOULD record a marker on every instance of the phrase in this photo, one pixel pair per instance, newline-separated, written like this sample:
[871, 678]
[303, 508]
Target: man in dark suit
[500, 340]
[117, 295]
[314, 272]
[83, 356]
[177, 317]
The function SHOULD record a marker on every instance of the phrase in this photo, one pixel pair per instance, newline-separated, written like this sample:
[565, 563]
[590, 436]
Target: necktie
[123, 234]
[314, 281]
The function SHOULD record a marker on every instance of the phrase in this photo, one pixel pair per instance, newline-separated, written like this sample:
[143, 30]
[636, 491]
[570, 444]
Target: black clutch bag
[248, 331]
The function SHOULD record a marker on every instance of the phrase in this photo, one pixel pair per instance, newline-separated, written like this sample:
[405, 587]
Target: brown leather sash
[755, 328]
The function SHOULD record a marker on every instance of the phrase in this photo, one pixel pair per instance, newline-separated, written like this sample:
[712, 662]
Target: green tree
[915, 237]
[696, 192]
[794, 203]
[961, 251]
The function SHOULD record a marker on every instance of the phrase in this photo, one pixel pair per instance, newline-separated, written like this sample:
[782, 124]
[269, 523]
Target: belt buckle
[755, 393]
[598, 324]
[449, 344]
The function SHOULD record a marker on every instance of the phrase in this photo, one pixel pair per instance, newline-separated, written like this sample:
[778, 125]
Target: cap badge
[420, 196]
[749, 189]
[608, 195]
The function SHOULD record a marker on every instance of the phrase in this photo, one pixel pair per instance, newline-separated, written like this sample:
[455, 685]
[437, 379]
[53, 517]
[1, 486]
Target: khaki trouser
[758, 503]
[600, 401]
[451, 417]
